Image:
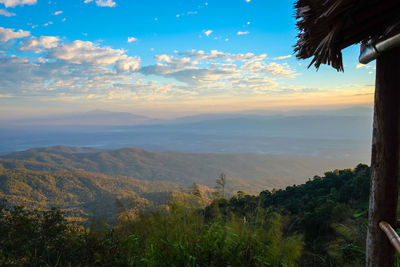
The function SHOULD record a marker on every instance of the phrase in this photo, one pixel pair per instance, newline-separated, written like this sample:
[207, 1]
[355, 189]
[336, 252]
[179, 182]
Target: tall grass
[179, 236]
[174, 235]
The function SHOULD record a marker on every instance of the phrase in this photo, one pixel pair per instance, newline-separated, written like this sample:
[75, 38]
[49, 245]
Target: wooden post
[385, 165]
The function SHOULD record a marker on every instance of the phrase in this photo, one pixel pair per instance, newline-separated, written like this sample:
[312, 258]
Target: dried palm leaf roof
[328, 26]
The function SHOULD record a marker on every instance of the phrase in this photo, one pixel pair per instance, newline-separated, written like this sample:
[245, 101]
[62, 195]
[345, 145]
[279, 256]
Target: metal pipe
[371, 51]
[391, 234]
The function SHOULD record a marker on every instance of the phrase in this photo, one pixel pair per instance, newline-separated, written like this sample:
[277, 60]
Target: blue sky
[163, 58]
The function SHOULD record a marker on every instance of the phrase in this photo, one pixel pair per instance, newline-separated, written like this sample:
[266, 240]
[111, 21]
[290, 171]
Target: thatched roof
[328, 26]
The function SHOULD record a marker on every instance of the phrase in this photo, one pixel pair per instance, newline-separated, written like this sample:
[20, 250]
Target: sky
[164, 58]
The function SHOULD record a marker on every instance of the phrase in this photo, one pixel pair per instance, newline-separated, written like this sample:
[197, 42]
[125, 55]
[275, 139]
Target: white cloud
[81, 52]
[16, 74]
[20, 76]
[102, 3]
[86, 70]
[215, 72]
[13, 3]
[282, 57]
[108, 3]
[48, 23]
[9, 34]
[274, 69]
[57, 13]
[208, 32]
[132, 39]
[359, 66]
[248, 1]
[6, 13]
[38, 45]
[280, 70]
[243, 33]
[256, 84]
[218, 55]
[189, 13]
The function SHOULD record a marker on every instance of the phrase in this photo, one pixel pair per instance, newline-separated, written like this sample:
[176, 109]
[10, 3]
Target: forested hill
[82, 195]
[249, 172]
[322, 222]
[329, 211]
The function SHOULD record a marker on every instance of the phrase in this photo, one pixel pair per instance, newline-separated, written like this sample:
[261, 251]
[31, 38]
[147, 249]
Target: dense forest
[249, 172]
[319, 223]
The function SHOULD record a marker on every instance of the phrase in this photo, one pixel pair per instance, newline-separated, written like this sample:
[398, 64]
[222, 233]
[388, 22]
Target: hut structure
[325, 28]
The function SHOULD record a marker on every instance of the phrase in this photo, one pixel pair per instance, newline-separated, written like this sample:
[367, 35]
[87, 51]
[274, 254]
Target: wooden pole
[385, 165]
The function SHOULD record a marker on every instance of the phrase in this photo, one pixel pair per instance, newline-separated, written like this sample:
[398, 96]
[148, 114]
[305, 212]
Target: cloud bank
[52, 67]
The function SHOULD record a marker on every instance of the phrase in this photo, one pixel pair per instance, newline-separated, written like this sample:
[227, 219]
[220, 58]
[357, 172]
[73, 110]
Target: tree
[195, 190]
[221, 182]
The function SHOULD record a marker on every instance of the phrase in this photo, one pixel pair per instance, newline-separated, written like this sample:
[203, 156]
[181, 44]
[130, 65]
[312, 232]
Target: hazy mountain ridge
[100, 117]
[343, 133]
[90, 118]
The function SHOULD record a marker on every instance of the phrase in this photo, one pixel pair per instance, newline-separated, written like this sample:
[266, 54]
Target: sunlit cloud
[359, 66]
[57, 13]
[9, 34]
[14, 3]
[242, 33]
[282, 57]
[102, 3]
[48, 23]
[38, 45]
[67, 71]
[186, 14]
[6, 13]
[132, 39]
[215, 72]
[280, 70]
[208, 32]
[85, 52]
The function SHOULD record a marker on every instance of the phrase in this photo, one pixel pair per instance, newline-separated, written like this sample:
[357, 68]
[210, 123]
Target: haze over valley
[341, 133]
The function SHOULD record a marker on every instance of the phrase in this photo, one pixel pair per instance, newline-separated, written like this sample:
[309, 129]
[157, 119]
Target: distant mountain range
[108, 118]
[342, 133]
[91, 118]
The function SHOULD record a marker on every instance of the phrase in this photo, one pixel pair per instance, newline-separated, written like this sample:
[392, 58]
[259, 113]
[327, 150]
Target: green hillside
[330, 212]
[81, 194]
[319, 223]
[249, 172]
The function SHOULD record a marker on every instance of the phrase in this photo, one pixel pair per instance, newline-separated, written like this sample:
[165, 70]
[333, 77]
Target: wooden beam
[385, 159]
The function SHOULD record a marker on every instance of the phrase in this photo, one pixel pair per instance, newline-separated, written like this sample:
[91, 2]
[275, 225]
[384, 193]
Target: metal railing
[391, 234]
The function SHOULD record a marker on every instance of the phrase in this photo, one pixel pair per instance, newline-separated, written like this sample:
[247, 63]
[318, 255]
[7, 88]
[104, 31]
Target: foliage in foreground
[330, 212]
[174, 236]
